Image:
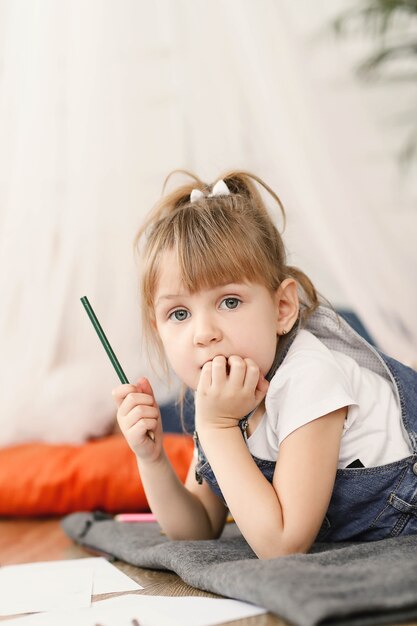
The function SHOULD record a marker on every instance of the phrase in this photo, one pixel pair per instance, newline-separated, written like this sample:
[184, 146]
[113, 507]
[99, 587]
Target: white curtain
[99, 100]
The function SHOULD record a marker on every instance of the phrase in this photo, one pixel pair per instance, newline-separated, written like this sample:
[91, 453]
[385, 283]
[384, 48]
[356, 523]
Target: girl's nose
[206, 332]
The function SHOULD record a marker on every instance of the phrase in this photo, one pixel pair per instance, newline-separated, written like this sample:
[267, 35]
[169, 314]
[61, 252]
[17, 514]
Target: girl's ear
[288, 305]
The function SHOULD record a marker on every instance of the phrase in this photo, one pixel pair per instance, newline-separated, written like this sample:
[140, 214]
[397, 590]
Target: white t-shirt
[313, 381]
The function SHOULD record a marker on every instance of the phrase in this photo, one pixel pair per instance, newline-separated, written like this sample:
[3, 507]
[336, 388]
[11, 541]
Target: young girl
[303, 430]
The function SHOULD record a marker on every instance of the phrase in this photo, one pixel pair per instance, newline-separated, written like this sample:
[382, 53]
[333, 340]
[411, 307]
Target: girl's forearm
[251, 499]
[180, 513]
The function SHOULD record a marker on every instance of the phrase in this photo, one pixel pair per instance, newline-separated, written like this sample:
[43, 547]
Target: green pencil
[100, 332]
[104, 340]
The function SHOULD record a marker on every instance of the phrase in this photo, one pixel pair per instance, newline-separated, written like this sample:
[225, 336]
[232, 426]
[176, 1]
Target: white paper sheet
[189, 610]
[107, 577]
[35, 587]
[52, 585]
[148, 611]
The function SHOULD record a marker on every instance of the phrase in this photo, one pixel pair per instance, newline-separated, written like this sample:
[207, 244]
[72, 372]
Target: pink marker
[135, 517]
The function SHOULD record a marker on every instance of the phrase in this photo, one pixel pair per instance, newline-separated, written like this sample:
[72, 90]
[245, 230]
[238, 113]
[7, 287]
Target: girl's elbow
[275, 549]
[190, 534]
[271, 553]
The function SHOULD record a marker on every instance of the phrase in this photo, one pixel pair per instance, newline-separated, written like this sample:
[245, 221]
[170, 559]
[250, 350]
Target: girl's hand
[228, 389]
[139, 419]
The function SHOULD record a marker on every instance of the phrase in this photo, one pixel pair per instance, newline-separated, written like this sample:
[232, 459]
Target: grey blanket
[351, 583]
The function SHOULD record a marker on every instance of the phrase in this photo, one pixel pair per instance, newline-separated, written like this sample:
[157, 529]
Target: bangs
[217, 260]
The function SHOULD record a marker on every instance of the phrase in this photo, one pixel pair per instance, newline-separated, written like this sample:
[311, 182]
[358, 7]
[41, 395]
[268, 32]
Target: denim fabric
[367, 504]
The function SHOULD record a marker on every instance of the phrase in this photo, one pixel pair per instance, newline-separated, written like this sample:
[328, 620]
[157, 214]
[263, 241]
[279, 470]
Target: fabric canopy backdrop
[99, 101]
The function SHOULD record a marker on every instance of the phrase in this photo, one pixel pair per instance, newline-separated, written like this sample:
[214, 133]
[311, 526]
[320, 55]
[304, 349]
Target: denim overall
[367, 504]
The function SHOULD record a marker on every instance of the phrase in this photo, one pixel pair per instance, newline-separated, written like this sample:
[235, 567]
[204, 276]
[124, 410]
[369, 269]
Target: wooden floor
[25, 541]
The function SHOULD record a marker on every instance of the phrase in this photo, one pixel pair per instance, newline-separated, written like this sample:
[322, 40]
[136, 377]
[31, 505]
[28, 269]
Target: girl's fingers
[144, 386]
[119, 393]
[150, 425]
[146, 424]
[218, 371]
[205, 377]
[237, 373]
[252, 375]
[255, 381]
[237, 377]
[135, 399]
[139, 430]
[139, 413]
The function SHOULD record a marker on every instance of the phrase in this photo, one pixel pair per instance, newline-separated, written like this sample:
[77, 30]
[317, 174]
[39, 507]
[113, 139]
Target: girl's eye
[230, 303]
[179, 315]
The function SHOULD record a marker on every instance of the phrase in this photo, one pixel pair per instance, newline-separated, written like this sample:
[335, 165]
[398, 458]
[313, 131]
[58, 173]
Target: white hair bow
[219, 189]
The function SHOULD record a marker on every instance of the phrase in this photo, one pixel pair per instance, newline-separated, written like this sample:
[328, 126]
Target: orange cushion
[44, 479]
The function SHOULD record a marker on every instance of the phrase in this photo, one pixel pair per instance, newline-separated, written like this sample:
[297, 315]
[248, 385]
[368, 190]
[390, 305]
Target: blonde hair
[218, 239]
